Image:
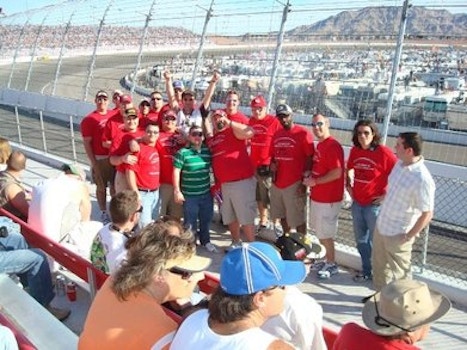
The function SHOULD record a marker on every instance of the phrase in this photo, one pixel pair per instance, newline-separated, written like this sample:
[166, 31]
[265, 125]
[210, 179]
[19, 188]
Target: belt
[147, 190]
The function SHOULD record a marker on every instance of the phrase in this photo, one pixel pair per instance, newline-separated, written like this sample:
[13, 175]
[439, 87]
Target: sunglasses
[281, 116]
[366, 133]
[131, 117]
[196, 134]
[101, 99]
[317, 124]
[170, 118]
[183, 273]
[156, 98]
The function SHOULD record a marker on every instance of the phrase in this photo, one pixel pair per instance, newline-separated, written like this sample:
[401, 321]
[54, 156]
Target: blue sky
[236, 16]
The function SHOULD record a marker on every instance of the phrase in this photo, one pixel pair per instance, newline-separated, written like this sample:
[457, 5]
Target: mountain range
[385, 21]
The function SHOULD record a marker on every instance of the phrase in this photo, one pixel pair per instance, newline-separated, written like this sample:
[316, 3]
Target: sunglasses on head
[178, 271]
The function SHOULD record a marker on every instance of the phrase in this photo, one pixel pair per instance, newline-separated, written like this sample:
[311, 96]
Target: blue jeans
[151, 207]
[30, 265]
[364, 222]
[199, 207]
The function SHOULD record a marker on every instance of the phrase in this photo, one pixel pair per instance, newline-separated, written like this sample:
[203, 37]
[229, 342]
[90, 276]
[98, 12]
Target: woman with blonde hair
[5, 151]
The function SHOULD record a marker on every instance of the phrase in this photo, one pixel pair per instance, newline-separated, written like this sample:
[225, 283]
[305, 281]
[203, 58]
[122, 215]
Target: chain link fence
[74, 48]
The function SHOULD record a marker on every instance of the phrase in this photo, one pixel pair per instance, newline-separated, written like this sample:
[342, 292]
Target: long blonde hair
[5, 150]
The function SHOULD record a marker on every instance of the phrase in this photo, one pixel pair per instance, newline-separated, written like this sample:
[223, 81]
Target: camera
[3, 232]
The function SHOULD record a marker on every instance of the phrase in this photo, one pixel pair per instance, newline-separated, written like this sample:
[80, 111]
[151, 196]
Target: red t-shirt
[120, 144]
[354, 337]
[112, 127]
[230, 160]
[260, 144]
[238, 117]
[371, 168]
[154, 117]
[167, 145]
[290, 150]
[147, 169]
[329, 155]
[93, 126]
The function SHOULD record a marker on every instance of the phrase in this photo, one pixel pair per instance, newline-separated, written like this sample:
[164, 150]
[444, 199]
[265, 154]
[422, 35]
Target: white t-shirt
[114, 247]
[54, 207]
[300, 323]
[195, 334]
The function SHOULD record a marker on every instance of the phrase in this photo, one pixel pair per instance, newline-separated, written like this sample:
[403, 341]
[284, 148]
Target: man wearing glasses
[326, 183]
[156, 108]
[191, 181]
[291, 153]
[143, 176]
[92, 129]
[188, 114]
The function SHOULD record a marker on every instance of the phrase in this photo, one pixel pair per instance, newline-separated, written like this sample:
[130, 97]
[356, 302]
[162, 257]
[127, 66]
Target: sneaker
[233, 245]
[105, 219]
[360, 277]
[60, 314]
[318, 265]
[328, 270]
[278, 230]
[210, 247]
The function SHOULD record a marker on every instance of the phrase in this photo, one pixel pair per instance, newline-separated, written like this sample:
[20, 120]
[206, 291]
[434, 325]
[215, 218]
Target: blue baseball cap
[178, 84]
[257, 266]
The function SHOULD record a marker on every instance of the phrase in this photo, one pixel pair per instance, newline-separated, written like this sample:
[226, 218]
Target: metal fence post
[18, 126]
[44, 140]
[60, 56]
[73, 141]
[33, 53]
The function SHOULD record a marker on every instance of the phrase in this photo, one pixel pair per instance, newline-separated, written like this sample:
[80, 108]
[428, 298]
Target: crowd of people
[163, 163]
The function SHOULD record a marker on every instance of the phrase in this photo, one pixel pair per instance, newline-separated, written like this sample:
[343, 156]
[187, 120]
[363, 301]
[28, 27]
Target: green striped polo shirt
[195, 167]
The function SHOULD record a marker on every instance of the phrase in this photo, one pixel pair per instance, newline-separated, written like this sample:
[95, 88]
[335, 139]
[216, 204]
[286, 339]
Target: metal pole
[18, 126]
[201, 44]
[140, 52]
[44, 139]
[73, 140]
[60, 56]
[395, 68]
[18, 47]
[33, 54]
[93, 57]
[275, 66]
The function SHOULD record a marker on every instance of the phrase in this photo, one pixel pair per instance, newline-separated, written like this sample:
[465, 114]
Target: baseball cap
[169, 113]
[296, 246]
[258, 101]
[117, 92]
[131, 112]
[74, 169]
[125, 99]
[102, 93]
[283, 109]
[195, 264]
[256, 266]
[219, 112]
[178, 84]
[144, 102]
[188, 92]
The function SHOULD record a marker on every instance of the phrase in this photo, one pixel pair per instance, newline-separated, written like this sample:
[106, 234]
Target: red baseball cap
[258, 101]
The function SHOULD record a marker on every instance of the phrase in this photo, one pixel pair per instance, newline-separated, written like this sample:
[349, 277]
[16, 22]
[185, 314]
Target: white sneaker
[210, 247]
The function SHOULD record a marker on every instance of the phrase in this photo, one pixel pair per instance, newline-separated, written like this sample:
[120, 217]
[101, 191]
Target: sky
[240, 16]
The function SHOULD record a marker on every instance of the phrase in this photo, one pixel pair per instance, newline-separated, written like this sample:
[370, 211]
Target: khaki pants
[391, 259]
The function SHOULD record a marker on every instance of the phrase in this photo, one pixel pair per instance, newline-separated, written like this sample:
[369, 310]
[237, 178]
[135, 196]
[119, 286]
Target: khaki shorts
[106, 173]
[239, 202]
[168, 205]
[287, 204]
[324, 218]
[263, 186]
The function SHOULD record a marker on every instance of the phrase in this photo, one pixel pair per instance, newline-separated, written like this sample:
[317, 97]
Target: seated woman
[397, 317]
[127, 311]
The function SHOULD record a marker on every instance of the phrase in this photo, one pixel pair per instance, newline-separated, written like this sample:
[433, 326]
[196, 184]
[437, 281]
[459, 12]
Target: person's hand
[129, 159]
[216, 76]
[167, 75]
[377, 200]
[178, 197]
[309, 181]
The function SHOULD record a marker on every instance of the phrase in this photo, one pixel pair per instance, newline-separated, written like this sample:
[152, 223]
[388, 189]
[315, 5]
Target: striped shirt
[195, 168]
[411, 191]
